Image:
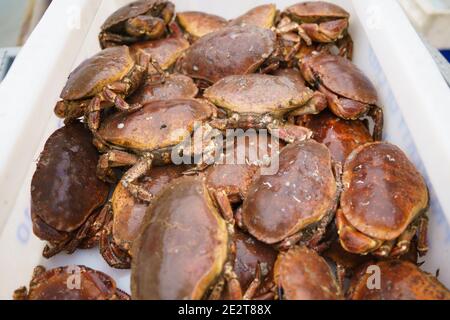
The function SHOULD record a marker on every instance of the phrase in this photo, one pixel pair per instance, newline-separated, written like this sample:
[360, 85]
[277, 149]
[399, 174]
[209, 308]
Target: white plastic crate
[411, 89]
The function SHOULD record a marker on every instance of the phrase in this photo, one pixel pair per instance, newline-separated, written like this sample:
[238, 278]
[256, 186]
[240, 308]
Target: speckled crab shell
[304, 275]
[198, 24]
[229, 51]
[261, 16]
[383, 191]
[183, 245]
[313, 11]
[258, 94]
[303, 191]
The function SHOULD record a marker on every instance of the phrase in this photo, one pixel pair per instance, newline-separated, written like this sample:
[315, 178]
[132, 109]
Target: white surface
[411, 90]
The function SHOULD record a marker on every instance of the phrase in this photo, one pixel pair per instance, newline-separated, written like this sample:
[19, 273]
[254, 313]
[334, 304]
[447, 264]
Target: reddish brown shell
[183, 246]
[340, 136]
[342, 77]
[258, 93]
[229, 51]
[383, 191]
[157, 125]
[261, 16]
[313, 11]
[53, 285]
[131, 10]
[129, 212]
[175, 86]
[93, 74]
[302, 192]
[65, 190]
[199, 24]
[399, 280]
[304, 275]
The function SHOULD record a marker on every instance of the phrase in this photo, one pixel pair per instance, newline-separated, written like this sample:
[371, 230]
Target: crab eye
[164, 126]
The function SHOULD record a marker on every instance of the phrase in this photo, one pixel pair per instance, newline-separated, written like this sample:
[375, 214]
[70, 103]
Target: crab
[54, 284]
[126, 215]
[349, 92]
[262, 101]
[150, 137]
[383, 204]
[198, 24]
[66, 195]
[317, 22]
[137, 21]
[400, 280]
[184, 248]
[261, 16]
[102, 81]
[297, 203]
[302, 274]
[339, 135]
[232, 50]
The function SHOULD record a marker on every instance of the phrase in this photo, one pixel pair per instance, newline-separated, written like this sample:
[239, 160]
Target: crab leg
[114, 158]
[254, 285]
[224, 204]
[289, 132]
[422, 245]
[139, 169]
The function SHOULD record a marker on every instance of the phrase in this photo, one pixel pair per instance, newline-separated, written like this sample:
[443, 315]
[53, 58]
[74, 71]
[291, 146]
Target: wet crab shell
[304, 275]
[340, 76]
[183, 246]
[258, 94]
[230, 51]
[65, 190]
[53, 285]
[303, 191]
[91, 76]
[314, 11]
[129, 212]
[198, 24]
[400, 280]
[157, 125]
[261, 16]
[383, 191]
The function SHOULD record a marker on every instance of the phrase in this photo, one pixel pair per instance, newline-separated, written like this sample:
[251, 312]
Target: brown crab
[55, 284]
[198, 24]
[302, 274]
[261, 16]
[126, 215]
[349, 92]
[66, 194]
[399, 280]
[184, 248]
[102, 81]
[298, 202]
[383, 204]
[137, 21]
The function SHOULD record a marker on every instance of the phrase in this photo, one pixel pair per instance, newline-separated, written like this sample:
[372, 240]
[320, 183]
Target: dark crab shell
[65, 190]
[261, 16]
[129, 11]
[302, 192]
[157, 125]
[258, 94]
[304, 275]
[183, 246]
[313, 11]
[383, 191]
[93, 74]
[53, 285]
[229, 51]
[400, 280]
[129, 212]
[198, 24]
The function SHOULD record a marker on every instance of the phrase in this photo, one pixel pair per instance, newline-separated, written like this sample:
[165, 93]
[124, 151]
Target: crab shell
[316, 11]
[261, 16]
[258, 94]
[302, 193]
[198, 24]
[175, 86]
[129, 212]
[233, 50]
[53, 285]
[183, 246]
[400, 280]
[158, 125]
[339, 135]
[304, 275]
[383, 191]
[65, 190]
[342, 78]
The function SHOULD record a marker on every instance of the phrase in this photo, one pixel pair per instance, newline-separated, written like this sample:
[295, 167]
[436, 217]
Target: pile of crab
[123, 174]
